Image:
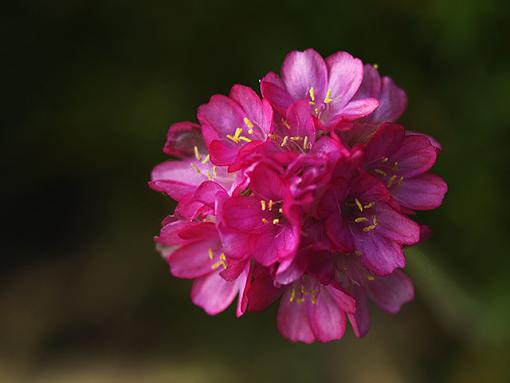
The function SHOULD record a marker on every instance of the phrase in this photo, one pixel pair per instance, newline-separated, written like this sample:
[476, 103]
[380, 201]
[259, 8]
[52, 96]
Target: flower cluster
[303, 196]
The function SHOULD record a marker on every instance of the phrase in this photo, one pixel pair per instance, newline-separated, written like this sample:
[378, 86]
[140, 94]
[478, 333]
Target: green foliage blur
[88, 91]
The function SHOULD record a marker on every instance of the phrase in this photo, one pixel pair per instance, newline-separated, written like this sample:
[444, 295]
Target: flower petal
[292, 320]
[213, 293]
[327, 320]
[391, 292]
[380, 255]
[424, 192]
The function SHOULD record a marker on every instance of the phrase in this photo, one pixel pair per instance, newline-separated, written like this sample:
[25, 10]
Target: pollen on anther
[380, 172]
[276, 221]
[270, 205]
[265, 221]
[361, 219]
[204, 161]
[284, 142]
[305, 142]
[210, 251]
[263, 205]
[195, 168]
[197, 154]
[358, 204]
[328, 98]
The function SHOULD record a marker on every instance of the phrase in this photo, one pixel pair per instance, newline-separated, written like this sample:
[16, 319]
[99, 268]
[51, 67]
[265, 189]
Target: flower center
[388, 172]
[274, 211]
[363, 214]
[221, 260]
[299, 294]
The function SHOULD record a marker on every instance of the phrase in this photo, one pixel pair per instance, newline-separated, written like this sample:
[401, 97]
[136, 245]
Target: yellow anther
[358, 204]
[358, 253]
[276, 221]
[305, 142]
[245, 139]
[280, 210]
[312, 94]
[222, 262]
[380, 172]
[195, 168]
[313, 295]
[284, 142]
[300, 300]
[248, 123]
[370, 277]
[316, 110]
[263, 205]
[233, 138]
[369, 205]
[265, 220]
[236, 135]
[208, 175]
[270, 207]
[210, 253]
[385, 159]
[391, 180]
[204, 161]
[292, 295]
[295, 138]
[369, 228]
[399, 181]
[328, 98]
[361, 219]
[376, 66]
[395, 166]
[374, 220]
[214, 171]
[197, 154]
[286, 123]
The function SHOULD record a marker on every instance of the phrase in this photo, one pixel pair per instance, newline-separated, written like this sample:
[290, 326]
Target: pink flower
[401, 162]
[230, 123]
[303, 196]
[194, 251]
[328, 85]
[360, 220]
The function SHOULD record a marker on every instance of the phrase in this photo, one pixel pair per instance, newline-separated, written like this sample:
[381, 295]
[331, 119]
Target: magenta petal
[273, 89]
[262, 291]
[339, 233]
[415, 156]
[292, 320]
[244, 285]
[266, 183]
[395, 226]
[222, 153]
[302, 71]
[345, 76]
[327, 320]
[192, 260]
[177, 178]
[181, 139]
[380, 255]
[360, 320]
[424, 192]
[391, 292]
[392, 102]
[301, 121]
[222, 114]
[243, 213]
[359, 108]
[275, 244]
[213, 293]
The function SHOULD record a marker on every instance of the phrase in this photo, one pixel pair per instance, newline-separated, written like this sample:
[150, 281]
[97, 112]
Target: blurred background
[88, 91]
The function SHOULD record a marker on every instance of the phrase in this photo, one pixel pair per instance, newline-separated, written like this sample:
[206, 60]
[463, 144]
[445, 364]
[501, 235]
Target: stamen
[369, 205]
[328, 98]
[276, 221]
[380, 172]
[295, 138]
[286, 123]
[209, 176]
[395, 166]
[248, 123]
[385, 159]
[270, 204]
[358, 253]
[195, 168]
[206, 158]
[358, 204]
[312, 95]
[265, 220]
[210, 253]
[214, 170]
[305, 142]
[222, 262]
[263, 205]
[245, 139]
[280, 210]
[391, 180]
[369, 228]
[361, 219]
[236, 135]
[316, 110]
[370, 277]
[284, 142]
[197, 154]
[399, 181]
[374, 220]
[376, 66]
[292, 295]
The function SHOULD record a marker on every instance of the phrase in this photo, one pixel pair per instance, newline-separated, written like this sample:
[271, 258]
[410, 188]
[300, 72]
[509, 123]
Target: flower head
[303, 196]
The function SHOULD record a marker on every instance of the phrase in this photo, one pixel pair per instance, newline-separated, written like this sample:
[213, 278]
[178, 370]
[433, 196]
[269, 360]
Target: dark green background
[88, 90]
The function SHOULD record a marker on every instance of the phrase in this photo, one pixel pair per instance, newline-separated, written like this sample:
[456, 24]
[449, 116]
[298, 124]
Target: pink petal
[192, 260]
[380, 255]
[345, 76]
[302, 71]
[359, 108]
[360, 320]
[222, 116]
[391, 292]
[213, 293]
[292, 320]
[181, 139]
[424, 192]
[177, 178]
[327, 320]
[243, 213]
[415, 156]
[395, 226]
[273, 89]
